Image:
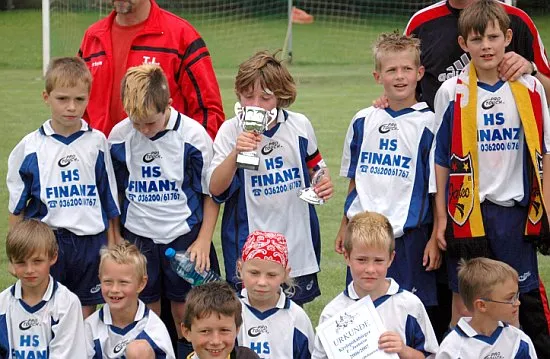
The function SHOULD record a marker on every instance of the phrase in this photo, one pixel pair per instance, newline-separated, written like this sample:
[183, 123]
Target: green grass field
[334, 82]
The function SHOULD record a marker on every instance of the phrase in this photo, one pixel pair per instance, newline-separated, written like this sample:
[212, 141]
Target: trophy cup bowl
[255, 120]
[308, 194]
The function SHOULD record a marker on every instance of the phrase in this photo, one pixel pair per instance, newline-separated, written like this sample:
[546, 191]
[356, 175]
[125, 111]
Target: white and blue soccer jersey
[463, 342]
[66, 182]
[267, 199]
[105, 341]
[283, 332]
[163, 177]
[401, 312]
[53, 328]
[500, 137]
[387, 153]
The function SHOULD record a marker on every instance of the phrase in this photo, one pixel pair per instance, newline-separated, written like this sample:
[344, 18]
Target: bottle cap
[170, 253]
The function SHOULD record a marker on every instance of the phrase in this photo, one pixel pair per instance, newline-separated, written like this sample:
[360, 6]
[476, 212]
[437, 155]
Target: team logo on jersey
[65, 161]
[151, 156]
[272, 145]
[387, 127]
[255, 331]
[491, 102]
[496, 355]
[29, 323]
[461, 189]
[454, 69]
[120, 346]
[95, 289]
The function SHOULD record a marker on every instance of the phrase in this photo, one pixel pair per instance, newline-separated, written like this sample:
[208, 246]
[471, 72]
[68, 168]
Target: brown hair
[393, 42]
[477, 278]
[370, 229]
[124, 253]
[144, 91]
[214, 297]
[272, 75]
[67, 72]
[477, 16]
[29, 237]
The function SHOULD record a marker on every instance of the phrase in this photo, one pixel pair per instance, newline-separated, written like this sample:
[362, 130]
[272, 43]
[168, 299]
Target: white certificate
[353, 333]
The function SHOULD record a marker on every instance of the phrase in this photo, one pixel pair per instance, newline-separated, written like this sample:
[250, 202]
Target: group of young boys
[77, 197]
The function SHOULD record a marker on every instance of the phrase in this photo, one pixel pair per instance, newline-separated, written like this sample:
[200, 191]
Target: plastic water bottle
[185, 268]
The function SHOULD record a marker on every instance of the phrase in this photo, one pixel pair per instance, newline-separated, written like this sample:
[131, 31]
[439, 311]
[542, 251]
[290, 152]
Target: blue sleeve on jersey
[349, 200]
[107, 200]
[98, 354]
[4, 340]
[355, 145]
[233, 187]
[194, 168]
[118, 157]
[443, 138]
[523, 351]
[300, 346]
[414, 335]
[159, 353]
[30, 176]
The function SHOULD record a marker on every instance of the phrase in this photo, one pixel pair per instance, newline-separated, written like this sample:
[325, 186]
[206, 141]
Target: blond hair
[124, 253]
[370, 229]
[67, 72]
[29, 237]
[144, 91]
[478, 277]
[392, 42]
[477, 16]
[271, 74]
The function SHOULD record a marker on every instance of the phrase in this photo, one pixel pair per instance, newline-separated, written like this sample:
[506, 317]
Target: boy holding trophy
[263, 193]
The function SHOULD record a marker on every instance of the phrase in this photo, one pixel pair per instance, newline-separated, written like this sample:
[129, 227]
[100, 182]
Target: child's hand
[381, 102]
[440, 233]
[247, 141]
[199, 252]
[432, 254]
[391, 342]
[324, 188]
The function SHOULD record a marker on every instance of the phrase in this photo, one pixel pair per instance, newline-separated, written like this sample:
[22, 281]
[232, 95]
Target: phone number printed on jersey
[384, 171]
[499, 146]
[72, 202]
[154, 197]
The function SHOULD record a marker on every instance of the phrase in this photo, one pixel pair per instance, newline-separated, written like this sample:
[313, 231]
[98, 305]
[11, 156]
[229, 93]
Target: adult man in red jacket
[138, 32]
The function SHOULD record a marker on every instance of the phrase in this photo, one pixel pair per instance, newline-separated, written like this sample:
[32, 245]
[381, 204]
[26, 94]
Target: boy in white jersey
[212, 321]
[386, 157]
[369, 250]
[268, 197]
[489, 289]
[491, 146]
[39, 317]
[161, 158]
[124, 327]
[62, 174]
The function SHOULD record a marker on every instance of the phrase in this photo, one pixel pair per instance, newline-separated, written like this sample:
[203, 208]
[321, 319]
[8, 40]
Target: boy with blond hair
[124, 326]
[491, 147]
[489, 289]
[369, 249]
[62, 175]
[39, 317]
[211, 323]
[161, 159]
[386, 157]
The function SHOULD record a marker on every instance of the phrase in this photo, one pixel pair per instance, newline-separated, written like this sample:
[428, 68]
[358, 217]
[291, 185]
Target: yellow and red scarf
[463, 204]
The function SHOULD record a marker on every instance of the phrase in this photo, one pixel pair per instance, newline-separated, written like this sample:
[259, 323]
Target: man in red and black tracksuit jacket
[141, 32]
[437, 28]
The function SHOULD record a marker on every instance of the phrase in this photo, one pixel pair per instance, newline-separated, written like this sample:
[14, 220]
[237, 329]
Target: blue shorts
[505, 227]
[77, 265]
[407, 269]
[162, 278]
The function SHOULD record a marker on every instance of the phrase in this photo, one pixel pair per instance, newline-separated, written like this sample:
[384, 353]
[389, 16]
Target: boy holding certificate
[369, 249]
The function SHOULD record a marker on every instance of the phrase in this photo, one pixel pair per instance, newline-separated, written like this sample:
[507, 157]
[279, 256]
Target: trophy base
[248, 162]
[309, 195]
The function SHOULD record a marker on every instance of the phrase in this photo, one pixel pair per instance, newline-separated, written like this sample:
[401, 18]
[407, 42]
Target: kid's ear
[480, 305]
[45, 96]
[186, 332]
[420, 74]
[462, 43]
[53, 259]
[376, 76]
[508, 37]
[142, 284]
[392, 256]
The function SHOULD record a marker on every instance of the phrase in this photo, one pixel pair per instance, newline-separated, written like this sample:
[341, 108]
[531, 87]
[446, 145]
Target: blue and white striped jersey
[105, 341]
[401, 312]
[66, 182]
[283, 332]
[163, 177]
[267, 199]
[52, 328]
[505, 342]
[388, 154]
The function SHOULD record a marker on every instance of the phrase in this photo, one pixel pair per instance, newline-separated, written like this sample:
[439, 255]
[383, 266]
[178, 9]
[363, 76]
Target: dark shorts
[407, 269]
[162, 278]
[77, 265]
[306, 289]
[504, 227]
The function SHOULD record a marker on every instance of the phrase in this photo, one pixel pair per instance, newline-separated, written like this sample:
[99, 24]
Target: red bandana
[269, 246]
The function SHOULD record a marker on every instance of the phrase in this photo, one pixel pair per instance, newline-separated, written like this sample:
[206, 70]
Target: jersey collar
[174, 122]
[107, 319]
[464, 329]
[392, 289]
[47, 129]
[17, 292]
[282, 303]
[419, 106]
